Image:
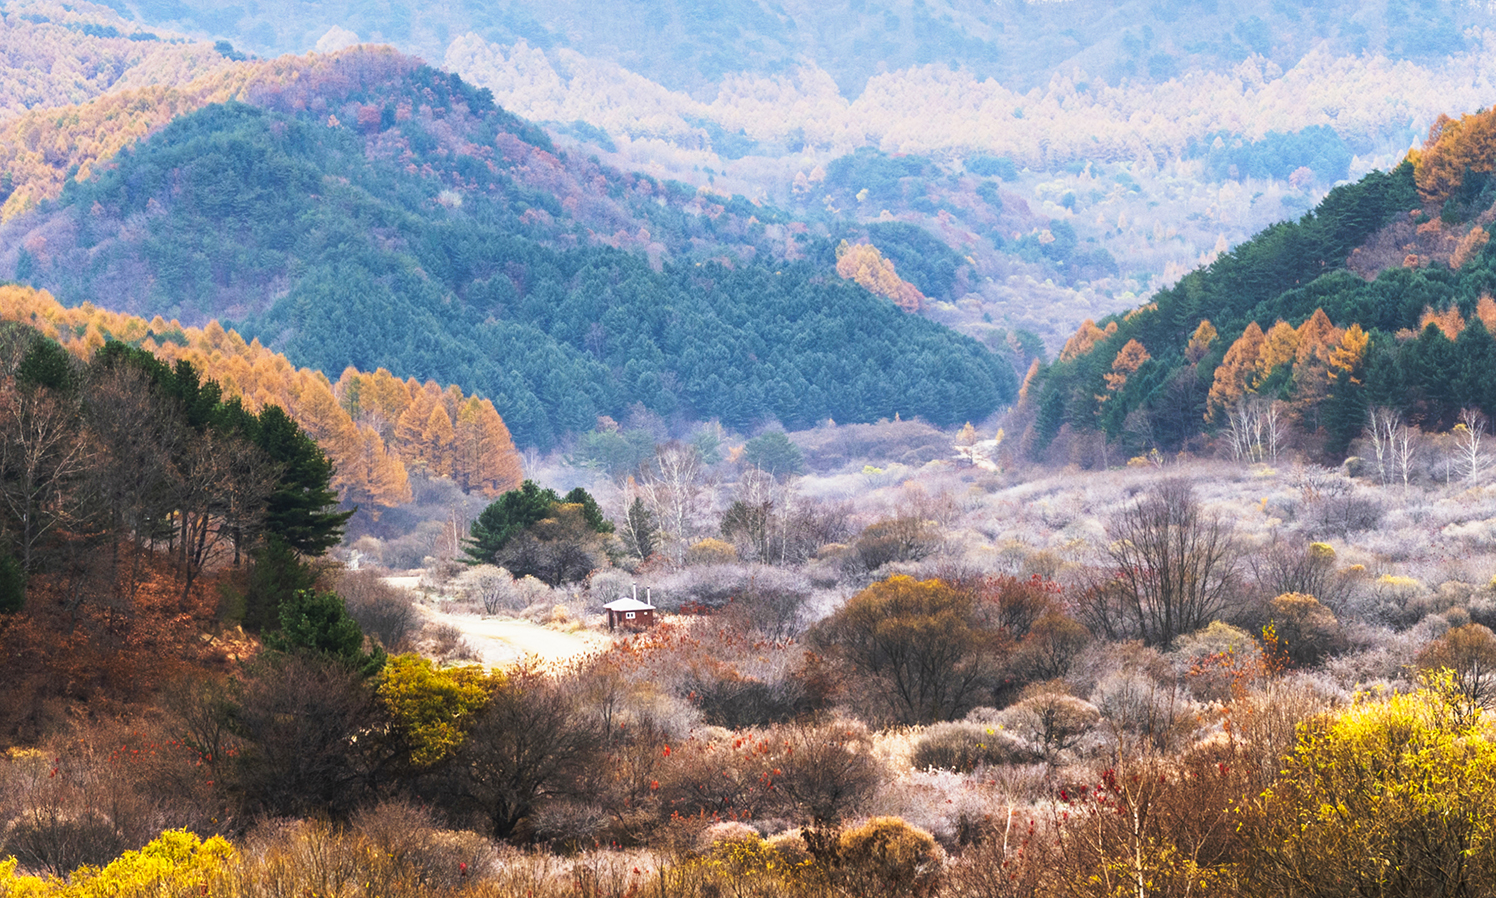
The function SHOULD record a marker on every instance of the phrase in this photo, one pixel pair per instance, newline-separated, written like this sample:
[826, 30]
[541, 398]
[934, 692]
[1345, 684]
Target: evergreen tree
[300, 509]
[507, 517]
[591, 513]
[47, 364]
[275, 575]
[640, 533]
[318, 623]
[12, 584]
[773, 453]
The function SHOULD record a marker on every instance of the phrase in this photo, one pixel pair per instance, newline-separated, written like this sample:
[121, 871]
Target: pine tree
[300, 509]
[318, 623]
[640, 532]
[506, 518]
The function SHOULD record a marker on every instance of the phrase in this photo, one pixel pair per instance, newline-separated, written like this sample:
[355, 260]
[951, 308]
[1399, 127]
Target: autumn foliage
[356, 420]
[864, 264]
[1085, 339]
[1455, 149]
[40, 149]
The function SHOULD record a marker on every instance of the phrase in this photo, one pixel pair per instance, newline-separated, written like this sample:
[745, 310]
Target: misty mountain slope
[692, 44]
[378, 213]
[1133, 141]
[1152, 177]
[57, 54]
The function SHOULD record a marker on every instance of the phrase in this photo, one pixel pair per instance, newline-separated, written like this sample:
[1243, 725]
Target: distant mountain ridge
[1132, 141]
[365, 210]
[693, 44]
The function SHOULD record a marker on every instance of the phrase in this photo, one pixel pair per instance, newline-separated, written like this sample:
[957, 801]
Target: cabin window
[629, 616]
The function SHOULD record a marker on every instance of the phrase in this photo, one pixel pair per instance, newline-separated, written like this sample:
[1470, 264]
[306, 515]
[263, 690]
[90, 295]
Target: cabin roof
[628, 604]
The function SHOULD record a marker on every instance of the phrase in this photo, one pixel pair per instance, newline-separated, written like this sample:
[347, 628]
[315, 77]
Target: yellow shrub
[175, 863]
[431, 707]
[711, 551]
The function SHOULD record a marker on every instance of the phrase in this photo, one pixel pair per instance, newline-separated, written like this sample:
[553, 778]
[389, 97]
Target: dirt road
[501, 642]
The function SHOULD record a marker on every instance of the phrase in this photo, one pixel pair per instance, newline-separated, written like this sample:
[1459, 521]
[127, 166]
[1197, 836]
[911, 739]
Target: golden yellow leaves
[863, 264]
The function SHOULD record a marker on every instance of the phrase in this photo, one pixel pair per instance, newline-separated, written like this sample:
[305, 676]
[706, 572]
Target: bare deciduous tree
[41, 453]
[1404, 444]
[1255, 429]
[675, 489]
[1469, 433]
[1382, 425]
[1172, 566]
[532, 742]
[1286, 565]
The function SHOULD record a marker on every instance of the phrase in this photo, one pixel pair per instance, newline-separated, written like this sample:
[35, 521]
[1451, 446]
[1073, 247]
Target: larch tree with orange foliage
[335, 414]
[1028, 379]
[410, 431]
[1085, 339]
[1129, 359]
[1345, 412]
[1280, 346]
[1318, 338]
[438, 441]
[1455, 148]
[381, 479]
[321, 416]
[1200, 342]
[1234, 377]
[486, 460]
[1449, 321]
[863, 264]
[1485, 310]
[1469, 245]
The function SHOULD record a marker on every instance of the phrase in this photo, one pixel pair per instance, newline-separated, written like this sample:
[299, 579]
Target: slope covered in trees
[375, 428]
[1110, 185]
[376, 213]
[58, 54]
[130, 491]
[1135, 140]
[1379, 299]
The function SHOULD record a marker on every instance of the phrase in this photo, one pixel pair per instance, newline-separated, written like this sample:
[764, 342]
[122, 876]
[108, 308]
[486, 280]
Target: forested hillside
[375, 428]
[369, 211]
[1067, 193]
[1070, 161]
[133, 493]
[1378, 301]
[57, 54]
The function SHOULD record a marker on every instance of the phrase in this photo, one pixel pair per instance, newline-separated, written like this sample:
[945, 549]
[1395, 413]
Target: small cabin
[629, 613]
